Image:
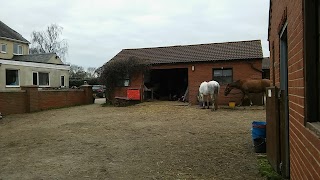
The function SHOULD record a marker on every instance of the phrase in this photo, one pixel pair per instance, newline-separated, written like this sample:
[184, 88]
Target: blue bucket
[258, 129]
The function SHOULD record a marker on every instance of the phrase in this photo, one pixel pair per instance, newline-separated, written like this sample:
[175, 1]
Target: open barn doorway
[166, 84]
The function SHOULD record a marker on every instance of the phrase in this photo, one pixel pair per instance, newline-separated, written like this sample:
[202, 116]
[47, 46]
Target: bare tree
[77, 72]
[48, 41]
[91, 72]
[99, 71]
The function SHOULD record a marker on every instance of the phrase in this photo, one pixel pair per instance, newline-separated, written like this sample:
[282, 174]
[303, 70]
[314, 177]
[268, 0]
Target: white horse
[209, 90]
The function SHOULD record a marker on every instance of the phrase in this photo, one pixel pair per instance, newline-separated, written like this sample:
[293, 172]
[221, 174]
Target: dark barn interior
[167, 84]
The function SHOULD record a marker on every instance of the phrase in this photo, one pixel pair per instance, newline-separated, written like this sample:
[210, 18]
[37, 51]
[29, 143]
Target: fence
[33, 98]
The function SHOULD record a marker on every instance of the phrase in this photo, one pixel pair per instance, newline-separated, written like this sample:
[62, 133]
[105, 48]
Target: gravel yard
[152, 140]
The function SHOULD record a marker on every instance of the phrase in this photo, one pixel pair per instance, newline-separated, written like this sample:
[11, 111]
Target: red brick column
[88, 94]
[32, 99]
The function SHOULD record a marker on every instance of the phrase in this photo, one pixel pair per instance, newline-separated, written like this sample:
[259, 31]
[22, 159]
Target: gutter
[33, 64]
[16, 40]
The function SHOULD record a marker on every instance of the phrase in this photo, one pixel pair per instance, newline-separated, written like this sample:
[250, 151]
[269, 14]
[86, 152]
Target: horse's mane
[235, 83]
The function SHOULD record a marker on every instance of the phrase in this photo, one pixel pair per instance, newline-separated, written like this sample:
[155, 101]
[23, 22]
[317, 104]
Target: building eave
[34, 64]
[15, 40]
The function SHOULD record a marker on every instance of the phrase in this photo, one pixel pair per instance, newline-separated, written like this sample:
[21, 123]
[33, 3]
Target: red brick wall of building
[304, 144]
[203, 72]
[136, 82]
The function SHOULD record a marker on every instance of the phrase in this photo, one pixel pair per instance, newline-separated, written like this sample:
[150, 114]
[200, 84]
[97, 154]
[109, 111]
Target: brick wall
[203, 72]
[30, 99]
[12, 102]
[55, 99]
[304, 144]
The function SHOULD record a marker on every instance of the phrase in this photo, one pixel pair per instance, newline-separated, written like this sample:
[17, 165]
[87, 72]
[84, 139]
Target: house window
[311, 60]
[40, 78]
[222, 76]
[3, 48]
[12, 77]
[62, 84]
[35, 78]
[124, 82]
[43, 79]
[17, 49]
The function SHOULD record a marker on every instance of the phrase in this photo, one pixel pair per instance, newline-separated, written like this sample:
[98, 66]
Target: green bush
[115, 70]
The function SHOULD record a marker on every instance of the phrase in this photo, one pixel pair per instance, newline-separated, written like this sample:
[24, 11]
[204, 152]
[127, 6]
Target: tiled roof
[7, 32]
[196, 53]
[266, 63]
[39, 58]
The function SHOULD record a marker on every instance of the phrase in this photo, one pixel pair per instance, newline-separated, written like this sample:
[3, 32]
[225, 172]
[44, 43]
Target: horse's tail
[218, 87]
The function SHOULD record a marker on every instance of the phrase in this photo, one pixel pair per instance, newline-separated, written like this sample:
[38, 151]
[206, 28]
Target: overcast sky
[97, 30]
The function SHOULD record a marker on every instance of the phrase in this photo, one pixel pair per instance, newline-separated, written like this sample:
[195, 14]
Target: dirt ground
[152, 140]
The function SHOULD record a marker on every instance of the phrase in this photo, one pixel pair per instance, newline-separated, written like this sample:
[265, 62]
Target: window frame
[121, 82]
[311, 61]
[34, 72]
[38, 78]
[64, 81]
[18, 77]
[18, 45]
[6, 48]
[222, 69]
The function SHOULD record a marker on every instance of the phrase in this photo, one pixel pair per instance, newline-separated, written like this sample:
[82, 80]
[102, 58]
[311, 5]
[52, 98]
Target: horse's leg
[202, 99]
[244, 94]
[250, 101]
[208, 101]
[247, 94]
[213, 102]
[216, 101]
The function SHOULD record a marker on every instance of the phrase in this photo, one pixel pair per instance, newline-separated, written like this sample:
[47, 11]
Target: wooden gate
[284, 135]
[273, 128]
[278, 151]
[277, 131]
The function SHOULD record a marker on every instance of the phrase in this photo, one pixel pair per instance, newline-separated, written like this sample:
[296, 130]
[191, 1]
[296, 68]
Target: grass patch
[266, 170]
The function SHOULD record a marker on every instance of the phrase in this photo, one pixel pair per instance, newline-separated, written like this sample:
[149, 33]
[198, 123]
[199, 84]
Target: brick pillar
[88, 94]
[32, 100]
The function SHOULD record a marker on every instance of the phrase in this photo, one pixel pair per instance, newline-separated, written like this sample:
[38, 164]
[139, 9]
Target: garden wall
[32, 99]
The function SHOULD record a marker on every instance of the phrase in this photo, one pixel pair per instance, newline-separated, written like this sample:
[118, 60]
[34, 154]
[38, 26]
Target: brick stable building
[294, 56]
[176, 70]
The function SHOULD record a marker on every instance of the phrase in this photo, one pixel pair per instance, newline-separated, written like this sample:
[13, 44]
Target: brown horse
[248, 86]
